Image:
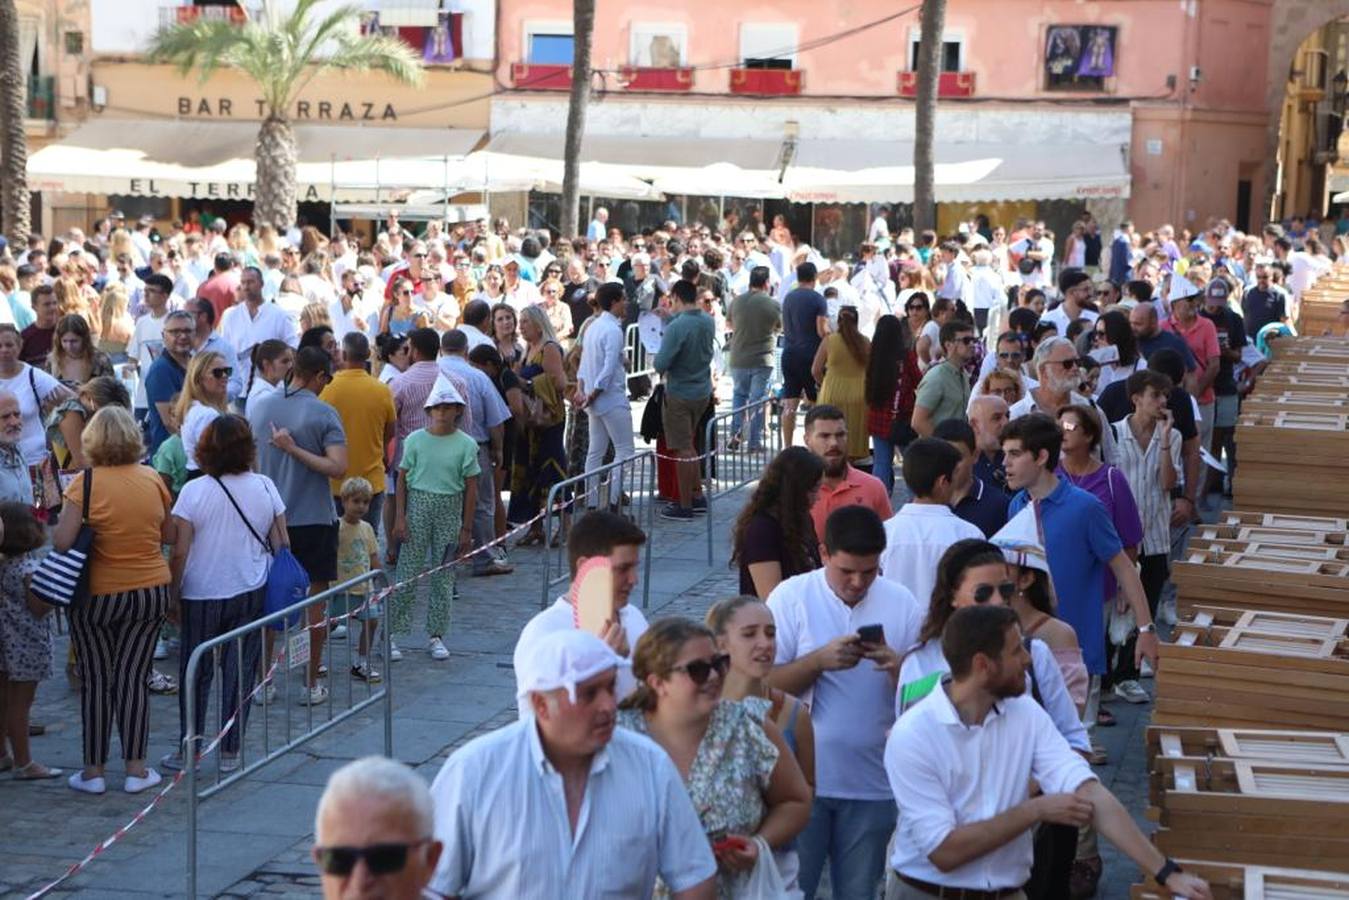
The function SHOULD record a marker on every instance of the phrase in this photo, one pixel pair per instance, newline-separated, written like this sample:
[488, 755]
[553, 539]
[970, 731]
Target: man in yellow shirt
[366, 408]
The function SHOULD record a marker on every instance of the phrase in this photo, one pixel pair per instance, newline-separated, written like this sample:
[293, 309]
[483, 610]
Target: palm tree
[925, 113]
[583, 30]
[282, 53]
[14, 199]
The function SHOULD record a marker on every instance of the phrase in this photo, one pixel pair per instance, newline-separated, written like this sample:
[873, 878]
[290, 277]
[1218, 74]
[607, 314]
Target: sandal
[35, 771]
[159, 683]
[1105, 718]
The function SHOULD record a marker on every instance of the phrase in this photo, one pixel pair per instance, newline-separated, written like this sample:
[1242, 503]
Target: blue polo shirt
[984, 507]
[1080, 540]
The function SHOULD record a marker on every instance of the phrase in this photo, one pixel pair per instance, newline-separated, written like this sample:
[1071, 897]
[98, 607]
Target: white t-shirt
[558, 617]
[33, 443]
[243, 331]
[226, 559]
[915, 539]
[851, 709]
[1058, 317]
[1043, 276]
[199, 415]
[145, 346]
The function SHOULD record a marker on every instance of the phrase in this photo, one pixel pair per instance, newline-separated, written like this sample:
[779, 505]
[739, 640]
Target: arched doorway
[1293, 22]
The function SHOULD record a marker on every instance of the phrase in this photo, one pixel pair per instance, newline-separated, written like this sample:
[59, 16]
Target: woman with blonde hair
[540, 452]
[200, 402]
[116, 322]
[74, 359]
[120, 242]
[314, 315]
[113, 630]
[743, 780]
[1004, 383]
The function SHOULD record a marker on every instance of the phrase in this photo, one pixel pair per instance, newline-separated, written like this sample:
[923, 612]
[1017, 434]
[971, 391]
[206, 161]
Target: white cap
[564, 659]
[443, 391]
[1020, 541]
[1182, 288]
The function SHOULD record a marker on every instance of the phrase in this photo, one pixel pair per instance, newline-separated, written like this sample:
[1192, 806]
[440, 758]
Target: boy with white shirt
[961, 835]
[830, 654]
[923, 530]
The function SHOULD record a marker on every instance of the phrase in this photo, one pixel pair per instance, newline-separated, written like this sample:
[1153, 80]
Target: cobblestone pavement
[255, 835]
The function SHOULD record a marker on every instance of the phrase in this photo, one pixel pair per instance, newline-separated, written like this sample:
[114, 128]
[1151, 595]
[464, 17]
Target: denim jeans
[852, 835]
[883, 462]
[751, 386]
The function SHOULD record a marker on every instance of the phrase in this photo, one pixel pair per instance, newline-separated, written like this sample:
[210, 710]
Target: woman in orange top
[115, 627]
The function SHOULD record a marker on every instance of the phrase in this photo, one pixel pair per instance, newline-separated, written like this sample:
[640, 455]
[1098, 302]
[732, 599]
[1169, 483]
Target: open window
[658, 45]
[952, 51]
[765, 46]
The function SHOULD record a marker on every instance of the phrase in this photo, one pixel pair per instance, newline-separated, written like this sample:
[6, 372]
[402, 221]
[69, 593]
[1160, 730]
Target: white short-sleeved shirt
[1045, 675]
[945, 775]
[145, 346]
[559, 617]
[501, 813]
[1058, 317]
[915, 539]
[31, 387]
[850, 709]
[199, 415]
[226, 559]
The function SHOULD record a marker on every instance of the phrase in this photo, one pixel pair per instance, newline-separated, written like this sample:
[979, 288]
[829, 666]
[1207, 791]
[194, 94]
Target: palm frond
[201, 46]
[377, 54]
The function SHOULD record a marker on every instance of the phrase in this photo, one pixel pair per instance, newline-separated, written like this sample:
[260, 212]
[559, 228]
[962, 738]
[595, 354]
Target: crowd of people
[207, 397]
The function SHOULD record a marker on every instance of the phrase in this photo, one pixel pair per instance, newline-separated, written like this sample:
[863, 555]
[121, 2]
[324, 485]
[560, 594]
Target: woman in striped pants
[114, 629]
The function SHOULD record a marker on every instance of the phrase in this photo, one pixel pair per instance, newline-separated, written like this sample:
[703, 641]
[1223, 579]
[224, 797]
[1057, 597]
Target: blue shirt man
[166, 375]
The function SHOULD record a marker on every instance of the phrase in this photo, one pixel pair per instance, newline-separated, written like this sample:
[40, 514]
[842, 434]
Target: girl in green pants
[437, 490]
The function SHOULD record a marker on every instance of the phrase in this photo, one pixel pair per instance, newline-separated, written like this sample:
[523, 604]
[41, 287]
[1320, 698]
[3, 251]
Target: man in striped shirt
[1147, 447]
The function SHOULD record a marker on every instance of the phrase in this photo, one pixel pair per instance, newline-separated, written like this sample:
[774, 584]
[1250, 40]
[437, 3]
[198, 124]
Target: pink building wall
[1212, 132]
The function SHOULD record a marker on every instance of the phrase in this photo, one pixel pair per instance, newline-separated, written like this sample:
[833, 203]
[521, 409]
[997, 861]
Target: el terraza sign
[222, 190]
[324, 110]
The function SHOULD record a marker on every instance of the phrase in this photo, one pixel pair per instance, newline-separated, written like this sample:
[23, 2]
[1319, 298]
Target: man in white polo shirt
[840, 633]
[597, 533]
[960, 764]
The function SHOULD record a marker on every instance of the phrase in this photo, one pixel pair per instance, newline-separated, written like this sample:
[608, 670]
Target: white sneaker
[1145, 670]
[338, 633]
[135, 785]
[1131, 692]
[437, 649]
[161, 649]
[314, 696]
[1167, 612]
[394, 653]
[78, 782]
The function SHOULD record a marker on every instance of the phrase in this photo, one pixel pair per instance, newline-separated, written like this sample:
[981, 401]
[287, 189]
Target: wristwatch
[1150, 628]
[1169, 868]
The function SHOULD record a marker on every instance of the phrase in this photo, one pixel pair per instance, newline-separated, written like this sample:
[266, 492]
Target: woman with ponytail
[742, 778]
[272, 360]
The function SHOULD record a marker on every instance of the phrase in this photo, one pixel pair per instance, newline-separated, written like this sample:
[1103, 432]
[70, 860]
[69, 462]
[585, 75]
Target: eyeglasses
[1068, 364]
[966, 339]
[912, 306]
[380, 859]
[984, 592]
[1014, 355]
[179, 331]
[699, 670]
[222, 372]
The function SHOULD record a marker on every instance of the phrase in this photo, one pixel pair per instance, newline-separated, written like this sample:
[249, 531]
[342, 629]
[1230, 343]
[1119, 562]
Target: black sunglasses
[966, 340]
[380, 859]
[1068, 364]
[915, 306]
[699, 670]
[984, 592]
[1015, 354]
[223, 372]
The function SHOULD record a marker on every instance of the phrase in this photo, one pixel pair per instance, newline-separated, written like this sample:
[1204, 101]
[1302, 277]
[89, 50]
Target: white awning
[179, 158]
[645, 152]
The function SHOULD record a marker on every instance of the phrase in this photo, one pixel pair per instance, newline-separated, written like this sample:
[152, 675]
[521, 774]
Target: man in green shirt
[944, 392]
[755, 319]
[685, 359]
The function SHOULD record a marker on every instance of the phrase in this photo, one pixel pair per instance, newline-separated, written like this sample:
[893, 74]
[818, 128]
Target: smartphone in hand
[871, 634]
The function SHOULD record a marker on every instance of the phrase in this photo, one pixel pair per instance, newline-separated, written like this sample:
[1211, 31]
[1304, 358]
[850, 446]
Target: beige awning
[181, 158]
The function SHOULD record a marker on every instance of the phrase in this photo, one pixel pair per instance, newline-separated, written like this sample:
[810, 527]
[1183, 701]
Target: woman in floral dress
[742, 779]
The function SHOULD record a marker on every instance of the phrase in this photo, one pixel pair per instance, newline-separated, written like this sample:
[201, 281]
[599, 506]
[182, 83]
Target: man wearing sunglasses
[373, 832]
[944, 392]
[1056, 365]
[609, 812]
[850, 685]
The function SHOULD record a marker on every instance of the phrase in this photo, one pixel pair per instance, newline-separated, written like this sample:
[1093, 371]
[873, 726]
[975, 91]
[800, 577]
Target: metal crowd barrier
[727, 470]
[636, 357]
[626, 486]
[292, 727]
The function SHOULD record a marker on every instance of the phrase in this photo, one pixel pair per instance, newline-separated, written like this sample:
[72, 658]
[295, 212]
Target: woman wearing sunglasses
[200, 402]
[742, 778]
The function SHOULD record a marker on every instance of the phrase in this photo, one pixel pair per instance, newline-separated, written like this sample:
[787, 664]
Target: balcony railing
[183, 15]
[42, 97]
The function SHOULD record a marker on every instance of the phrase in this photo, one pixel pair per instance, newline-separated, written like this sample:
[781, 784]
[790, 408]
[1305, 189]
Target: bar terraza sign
[311, 110]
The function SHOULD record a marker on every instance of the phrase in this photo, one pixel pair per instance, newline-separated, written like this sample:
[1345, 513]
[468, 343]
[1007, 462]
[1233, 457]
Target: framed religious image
[1079, 57]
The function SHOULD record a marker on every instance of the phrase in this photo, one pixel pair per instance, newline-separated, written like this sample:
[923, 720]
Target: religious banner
[1079, 55]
